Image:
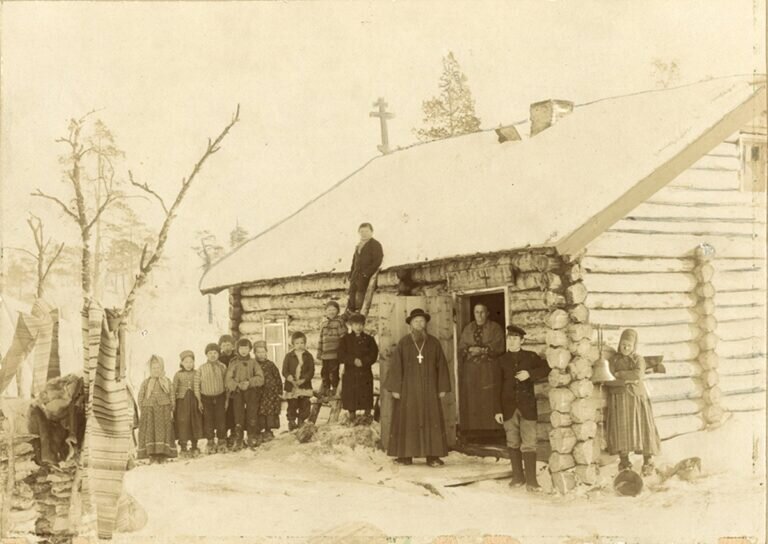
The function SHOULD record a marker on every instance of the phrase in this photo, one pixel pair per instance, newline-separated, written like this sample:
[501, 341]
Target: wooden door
[393, 328]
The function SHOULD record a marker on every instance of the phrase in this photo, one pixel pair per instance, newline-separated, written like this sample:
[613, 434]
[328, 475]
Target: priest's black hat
[514, 330]
[418, 312]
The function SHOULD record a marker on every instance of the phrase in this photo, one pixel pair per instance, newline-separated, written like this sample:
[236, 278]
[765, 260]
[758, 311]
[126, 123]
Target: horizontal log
[747, 365]
[649, 337]
[739, 298]
[740, 280]
[672, 426]
[746, 402]
[741, 348]
[732, 313]
[524, 301]
[747, 383]
[315, 300]
[576, 293]
[735, 330]
[626, 265]
[651, 282]
[677, 245]
[679, 369]
[672, 225]
[678, 407]
[529, 319]
[702, 198]
[630, 317]
[598, 300]
[728, 148]
[536, 280]
[673, 389]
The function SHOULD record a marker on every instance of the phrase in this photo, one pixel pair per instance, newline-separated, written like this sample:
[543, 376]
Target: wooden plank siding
[639, 274]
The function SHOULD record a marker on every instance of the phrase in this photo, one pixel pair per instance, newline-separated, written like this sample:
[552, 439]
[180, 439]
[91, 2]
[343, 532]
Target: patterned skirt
[156, 432]
[629, 425]
[188, 420]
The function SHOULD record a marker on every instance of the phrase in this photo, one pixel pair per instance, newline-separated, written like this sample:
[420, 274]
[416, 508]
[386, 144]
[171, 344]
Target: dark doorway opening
[470, 432]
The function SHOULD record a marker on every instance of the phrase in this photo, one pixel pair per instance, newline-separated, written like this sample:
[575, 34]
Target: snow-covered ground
[325, 487]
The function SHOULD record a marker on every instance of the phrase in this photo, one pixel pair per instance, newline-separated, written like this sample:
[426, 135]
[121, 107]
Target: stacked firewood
[20, 513]
[52, 488]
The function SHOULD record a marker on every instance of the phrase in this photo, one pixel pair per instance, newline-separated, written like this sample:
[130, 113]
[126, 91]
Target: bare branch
[64, 207]
[28, 252]
[112, 197]
[162, 237]
[145, 187]
[143, 257]
[53, 260]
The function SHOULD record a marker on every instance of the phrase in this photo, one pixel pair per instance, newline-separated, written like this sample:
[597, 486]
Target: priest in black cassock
[418, 378]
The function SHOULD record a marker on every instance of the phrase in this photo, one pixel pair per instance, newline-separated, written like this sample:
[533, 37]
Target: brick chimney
[546, 113]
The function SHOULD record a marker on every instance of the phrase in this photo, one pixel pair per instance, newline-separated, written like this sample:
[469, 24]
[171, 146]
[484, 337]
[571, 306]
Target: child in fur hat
[156, 397]
[189, 407]
[271, 401]
[244, 383]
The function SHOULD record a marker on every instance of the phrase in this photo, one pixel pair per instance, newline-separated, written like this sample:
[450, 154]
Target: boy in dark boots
[244, 382]
[515, 402]
[331, 331]
[298, 371]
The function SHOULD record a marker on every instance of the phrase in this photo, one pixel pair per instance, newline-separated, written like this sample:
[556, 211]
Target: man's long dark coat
[418, 427]
[357, 382]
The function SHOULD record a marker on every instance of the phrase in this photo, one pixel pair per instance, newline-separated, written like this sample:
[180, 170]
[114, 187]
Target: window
[275, 335]
[754, 151]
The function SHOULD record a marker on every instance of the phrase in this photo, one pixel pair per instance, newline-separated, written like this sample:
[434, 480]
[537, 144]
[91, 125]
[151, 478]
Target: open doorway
[475, 423]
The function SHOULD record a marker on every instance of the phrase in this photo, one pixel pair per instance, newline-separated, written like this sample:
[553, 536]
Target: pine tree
[238, 236]
[453, 111]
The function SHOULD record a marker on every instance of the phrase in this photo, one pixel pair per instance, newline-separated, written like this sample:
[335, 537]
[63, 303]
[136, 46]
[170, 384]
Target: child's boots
[529, 461]
[516, 460]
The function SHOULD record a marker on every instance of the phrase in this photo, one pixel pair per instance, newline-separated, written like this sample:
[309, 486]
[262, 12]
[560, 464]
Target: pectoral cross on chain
[420, 357]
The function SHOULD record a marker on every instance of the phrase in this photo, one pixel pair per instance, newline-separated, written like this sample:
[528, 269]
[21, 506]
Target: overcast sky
[165, 76]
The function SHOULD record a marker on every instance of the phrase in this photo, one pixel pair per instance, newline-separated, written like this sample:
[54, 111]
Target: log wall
[706, 317]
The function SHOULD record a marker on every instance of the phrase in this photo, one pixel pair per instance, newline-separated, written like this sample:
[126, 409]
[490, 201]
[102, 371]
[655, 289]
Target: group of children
[234, 399]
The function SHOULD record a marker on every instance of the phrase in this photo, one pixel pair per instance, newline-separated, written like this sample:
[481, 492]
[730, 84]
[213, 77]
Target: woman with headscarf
[629, 416]
[156, 400]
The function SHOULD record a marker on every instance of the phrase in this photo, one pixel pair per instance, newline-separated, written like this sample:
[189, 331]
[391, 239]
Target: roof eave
[666, 172]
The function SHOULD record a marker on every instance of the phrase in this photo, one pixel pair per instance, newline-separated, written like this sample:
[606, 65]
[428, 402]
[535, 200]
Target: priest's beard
[419, 336]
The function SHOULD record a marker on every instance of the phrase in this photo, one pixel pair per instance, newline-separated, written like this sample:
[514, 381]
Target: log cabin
[643, 211]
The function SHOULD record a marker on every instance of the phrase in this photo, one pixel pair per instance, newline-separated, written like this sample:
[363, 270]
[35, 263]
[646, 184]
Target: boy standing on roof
[365, 262]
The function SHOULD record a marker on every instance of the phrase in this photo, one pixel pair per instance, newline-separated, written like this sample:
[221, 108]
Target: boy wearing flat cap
[515, 405]
[210, 383]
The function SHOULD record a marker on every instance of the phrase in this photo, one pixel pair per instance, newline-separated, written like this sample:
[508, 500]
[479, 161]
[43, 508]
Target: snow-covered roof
[471, 195]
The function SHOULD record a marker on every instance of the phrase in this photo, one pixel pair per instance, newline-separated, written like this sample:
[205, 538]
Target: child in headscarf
[189, 407]
[271, 397]
[629, 416]
[156, 399]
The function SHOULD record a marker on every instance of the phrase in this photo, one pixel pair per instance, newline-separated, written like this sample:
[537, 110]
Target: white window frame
[271, 346]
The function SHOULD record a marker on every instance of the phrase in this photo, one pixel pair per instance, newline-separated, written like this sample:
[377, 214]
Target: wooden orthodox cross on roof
[383, 115]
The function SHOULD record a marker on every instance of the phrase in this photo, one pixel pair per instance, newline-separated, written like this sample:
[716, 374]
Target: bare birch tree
[44, 260]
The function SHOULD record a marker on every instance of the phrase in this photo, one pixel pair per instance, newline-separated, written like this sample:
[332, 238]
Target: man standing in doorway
[418, 379]
[365, 262]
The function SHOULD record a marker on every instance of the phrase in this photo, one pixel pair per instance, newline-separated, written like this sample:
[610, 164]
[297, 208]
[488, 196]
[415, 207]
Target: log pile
[570, 355]
[21, 513]
[708, 339]
[52, 490]
[40, 497]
